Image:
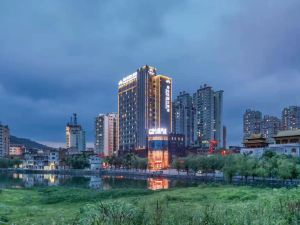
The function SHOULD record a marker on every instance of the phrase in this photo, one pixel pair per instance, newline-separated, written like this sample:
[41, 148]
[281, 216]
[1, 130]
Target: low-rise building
[16, 150]
[158, 149]
[35, 159]
[53, 160]
[287, 142]
[177, 145]
[287, 136]
[95, 162]
[41, 159]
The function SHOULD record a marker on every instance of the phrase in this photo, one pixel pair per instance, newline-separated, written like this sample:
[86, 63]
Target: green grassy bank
[196, 205]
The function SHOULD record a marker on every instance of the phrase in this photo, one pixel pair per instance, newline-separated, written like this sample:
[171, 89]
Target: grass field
[196, 205]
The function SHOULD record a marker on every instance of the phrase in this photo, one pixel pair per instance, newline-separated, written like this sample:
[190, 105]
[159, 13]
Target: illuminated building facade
[106, 134]
[208, 105]
[158, 149]
[144, 102]
[75, 135]
[291, 118]
[270, 126]
[251, 123]
[158, 183]
[4, 140]
[16, 150]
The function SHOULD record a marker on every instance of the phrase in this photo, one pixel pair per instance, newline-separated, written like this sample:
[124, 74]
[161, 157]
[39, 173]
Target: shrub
[110, 213]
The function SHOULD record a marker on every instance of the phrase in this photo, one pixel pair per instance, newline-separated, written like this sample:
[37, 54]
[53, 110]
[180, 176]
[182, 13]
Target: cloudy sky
[63, 56]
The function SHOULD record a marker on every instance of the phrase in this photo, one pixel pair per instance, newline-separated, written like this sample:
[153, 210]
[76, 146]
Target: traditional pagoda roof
[288, 133]
[255, 137]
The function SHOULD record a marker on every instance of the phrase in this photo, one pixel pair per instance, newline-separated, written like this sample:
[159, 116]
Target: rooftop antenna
[75, 118]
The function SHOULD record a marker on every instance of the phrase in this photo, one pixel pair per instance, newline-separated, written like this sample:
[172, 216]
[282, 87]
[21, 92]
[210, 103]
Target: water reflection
[158, 183]
[16, 180]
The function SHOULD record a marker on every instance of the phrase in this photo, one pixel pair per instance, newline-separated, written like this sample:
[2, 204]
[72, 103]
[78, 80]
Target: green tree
[253, 163]
[203, 163]
[143, 163]
[268, 154]
[128, 160]
[194, 164]
[272, 166]
[287, 169]
[216, 162]
[78, 161]
[139, 163]
[187, 164]
[261, 170]
[176, 164]
[9, 163]
[230, 167]
[246, 166]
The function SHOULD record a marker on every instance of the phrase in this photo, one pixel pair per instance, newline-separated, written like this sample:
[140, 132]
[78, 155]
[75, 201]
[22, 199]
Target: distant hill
[27, 143]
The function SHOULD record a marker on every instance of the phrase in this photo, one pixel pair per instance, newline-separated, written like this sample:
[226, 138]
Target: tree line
[9, 163]
[128, 161]
[270, 165]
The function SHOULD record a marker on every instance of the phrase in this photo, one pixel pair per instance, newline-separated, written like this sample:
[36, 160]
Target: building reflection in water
[52, 179]
[158, 183]
[95, 182]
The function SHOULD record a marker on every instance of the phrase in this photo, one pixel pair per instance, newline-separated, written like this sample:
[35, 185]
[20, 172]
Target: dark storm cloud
[59, 57]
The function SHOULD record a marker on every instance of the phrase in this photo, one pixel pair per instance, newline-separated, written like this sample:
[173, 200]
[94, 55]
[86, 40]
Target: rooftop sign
[128, 79]
[157, 131]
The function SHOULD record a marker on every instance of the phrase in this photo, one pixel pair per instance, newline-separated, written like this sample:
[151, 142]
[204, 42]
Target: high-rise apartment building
[4, 140]
[183, 117]
[144, 102]
[75, 135]
[218, 117]
[251, 123]
[291, 118]
[209, 109]
[270, 125]
[106, 140]
[224, 137]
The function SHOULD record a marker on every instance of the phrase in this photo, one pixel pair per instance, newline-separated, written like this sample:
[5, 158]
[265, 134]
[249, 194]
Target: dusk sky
[63, 56]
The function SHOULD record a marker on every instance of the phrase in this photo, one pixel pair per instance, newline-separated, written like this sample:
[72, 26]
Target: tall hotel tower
[144, 103]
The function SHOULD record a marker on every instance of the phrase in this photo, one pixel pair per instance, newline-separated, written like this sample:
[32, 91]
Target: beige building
[106, 135]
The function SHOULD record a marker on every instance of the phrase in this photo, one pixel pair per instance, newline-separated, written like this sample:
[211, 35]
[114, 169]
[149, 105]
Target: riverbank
[205, 204]
[167, 174]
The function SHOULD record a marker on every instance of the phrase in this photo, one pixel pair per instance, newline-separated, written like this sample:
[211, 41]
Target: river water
[15, 180]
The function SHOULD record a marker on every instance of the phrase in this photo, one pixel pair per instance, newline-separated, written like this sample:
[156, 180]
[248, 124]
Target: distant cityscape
[150, 124]
[267, 125]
